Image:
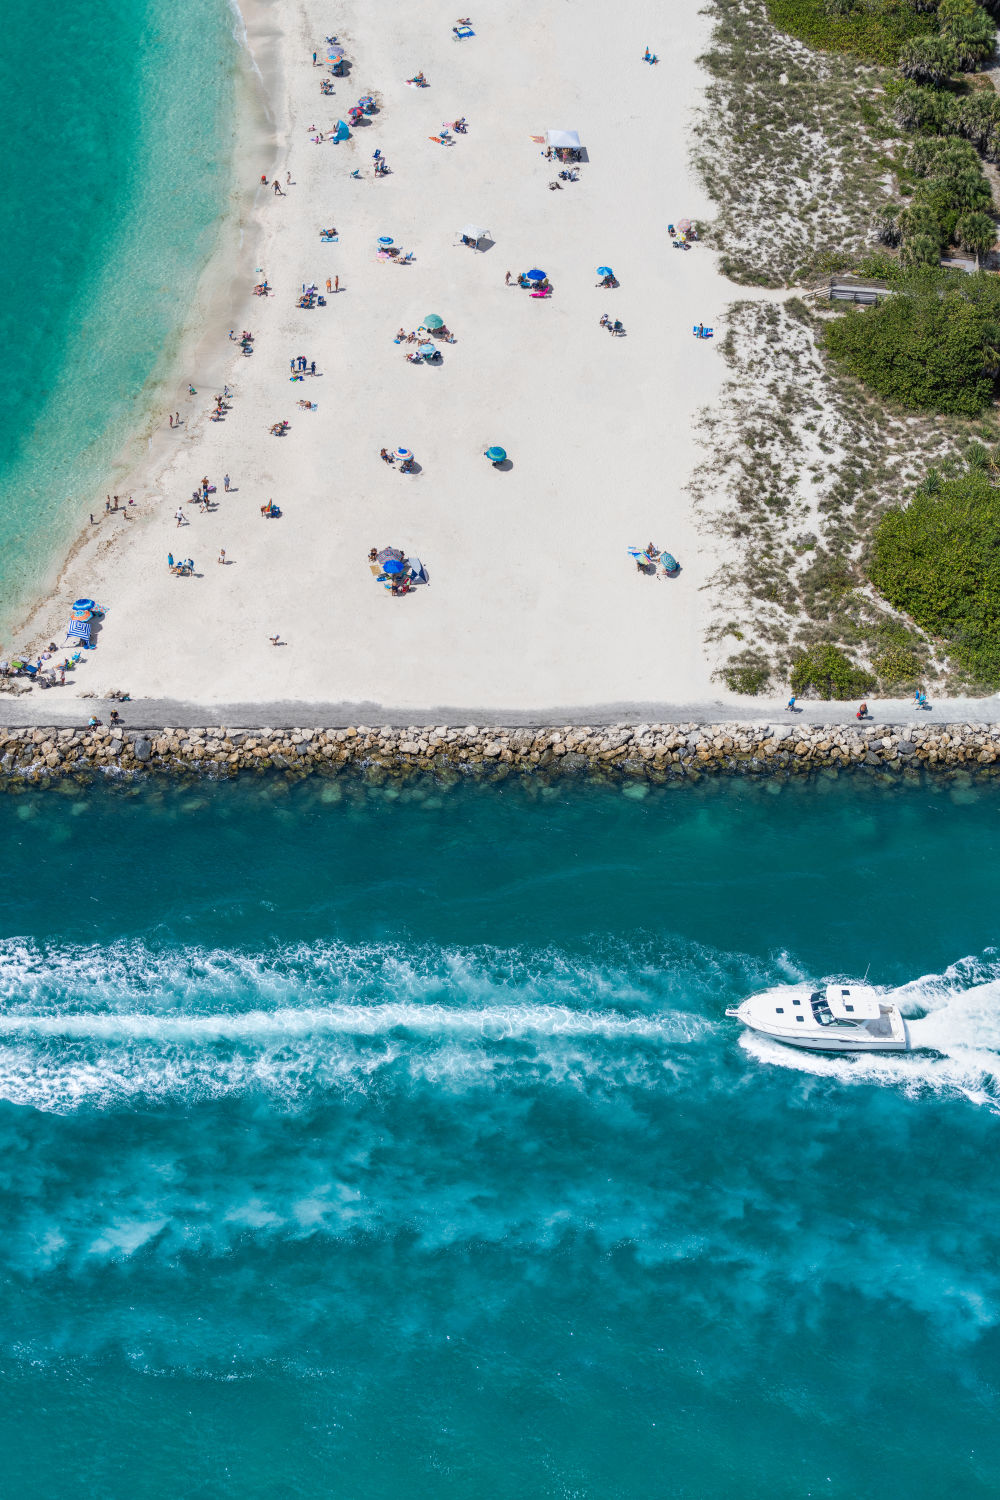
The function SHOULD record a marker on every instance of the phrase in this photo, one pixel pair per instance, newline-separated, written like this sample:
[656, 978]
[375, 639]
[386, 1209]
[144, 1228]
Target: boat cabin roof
[852, 1002]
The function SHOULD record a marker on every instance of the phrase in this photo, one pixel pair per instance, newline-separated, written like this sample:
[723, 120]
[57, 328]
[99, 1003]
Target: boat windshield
[823, 1014]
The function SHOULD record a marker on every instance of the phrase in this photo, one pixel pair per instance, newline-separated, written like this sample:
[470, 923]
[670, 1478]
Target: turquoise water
[401, 1147]
[118, 138]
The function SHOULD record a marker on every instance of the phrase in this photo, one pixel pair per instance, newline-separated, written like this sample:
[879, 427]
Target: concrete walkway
[55, 706]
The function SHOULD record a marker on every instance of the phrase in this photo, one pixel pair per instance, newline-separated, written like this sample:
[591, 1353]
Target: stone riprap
[654, 752]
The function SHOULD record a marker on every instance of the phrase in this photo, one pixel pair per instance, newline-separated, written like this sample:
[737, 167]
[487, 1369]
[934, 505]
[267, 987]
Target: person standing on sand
[222, 556]
[180, 516]
[171, 419]
[225, 483]
[177, 419]
[328, 286]
[506, 280]
[263, 179]
[336, 283]
[277, 188]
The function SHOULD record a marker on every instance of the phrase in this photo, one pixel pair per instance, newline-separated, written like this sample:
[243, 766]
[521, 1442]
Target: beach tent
[341, 133]
[474, 233]
[79, 630]
[567, 140]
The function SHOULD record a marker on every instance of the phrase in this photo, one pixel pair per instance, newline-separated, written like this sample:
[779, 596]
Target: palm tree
[976, 231]
[929, 59]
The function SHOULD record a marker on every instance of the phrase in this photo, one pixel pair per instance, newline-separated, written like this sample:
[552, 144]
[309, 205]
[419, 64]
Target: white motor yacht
[837, 1018]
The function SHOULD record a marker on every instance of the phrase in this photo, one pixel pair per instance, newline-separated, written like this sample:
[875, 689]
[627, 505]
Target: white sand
[533, 600]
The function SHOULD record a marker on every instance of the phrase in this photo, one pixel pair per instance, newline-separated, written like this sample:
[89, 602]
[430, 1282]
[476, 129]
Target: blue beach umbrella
[535, 275]
[605, 271]
[385, 239]
[426, 348]
[496, 455]
[392, 566]
[83, 604]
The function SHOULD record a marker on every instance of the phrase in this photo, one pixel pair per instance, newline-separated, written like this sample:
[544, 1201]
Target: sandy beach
[533, 600]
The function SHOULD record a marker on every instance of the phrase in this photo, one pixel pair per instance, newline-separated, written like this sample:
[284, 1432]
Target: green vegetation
[747, 672]
[934, 345]
[829, 673]
[929, 39]
[873, 29]
[939, 560]
[933, 43]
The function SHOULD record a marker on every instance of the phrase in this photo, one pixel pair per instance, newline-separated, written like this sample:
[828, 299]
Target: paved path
[56, 706]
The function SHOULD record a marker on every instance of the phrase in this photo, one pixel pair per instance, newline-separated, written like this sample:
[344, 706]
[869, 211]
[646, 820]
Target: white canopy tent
[474, 233]
[568, 140]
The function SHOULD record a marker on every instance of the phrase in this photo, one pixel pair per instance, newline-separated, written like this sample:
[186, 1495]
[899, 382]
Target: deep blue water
[376, 1147]
[118, 133]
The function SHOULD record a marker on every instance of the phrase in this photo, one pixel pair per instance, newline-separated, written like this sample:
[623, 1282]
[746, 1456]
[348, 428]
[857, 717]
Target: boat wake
[108, 1027]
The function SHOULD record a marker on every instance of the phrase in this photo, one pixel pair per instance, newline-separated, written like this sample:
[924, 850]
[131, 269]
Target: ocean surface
[118, 125]
[367, 1145]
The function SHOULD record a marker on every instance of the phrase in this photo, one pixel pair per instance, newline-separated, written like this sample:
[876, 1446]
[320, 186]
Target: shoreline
[635, 757]
[192, 354]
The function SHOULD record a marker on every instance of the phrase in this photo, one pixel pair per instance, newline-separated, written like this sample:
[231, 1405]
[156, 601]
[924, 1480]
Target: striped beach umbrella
[496, 455]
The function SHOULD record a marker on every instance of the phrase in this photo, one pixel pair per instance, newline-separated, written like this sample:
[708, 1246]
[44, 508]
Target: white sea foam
[103, 1026]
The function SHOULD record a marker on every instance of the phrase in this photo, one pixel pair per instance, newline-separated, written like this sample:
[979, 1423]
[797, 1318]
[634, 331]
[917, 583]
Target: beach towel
[539, 140]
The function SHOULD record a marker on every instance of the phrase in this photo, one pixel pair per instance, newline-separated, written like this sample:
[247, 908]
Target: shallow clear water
[401, 1146]
[118, 132]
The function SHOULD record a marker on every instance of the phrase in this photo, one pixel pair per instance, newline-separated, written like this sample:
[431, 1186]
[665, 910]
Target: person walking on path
[225, 483]
[276, 185]
[180, 517]
[791, 705]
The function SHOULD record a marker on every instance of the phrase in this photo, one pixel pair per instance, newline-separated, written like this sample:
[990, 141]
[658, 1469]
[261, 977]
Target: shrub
[931, 347]
[929, 59]
[939, 560]
[898, 664]
[748, 672]
[969, 30]
[829, 673]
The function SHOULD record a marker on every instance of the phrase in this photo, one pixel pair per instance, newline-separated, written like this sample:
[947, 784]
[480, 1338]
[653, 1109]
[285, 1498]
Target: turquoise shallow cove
[118, 128]
[401, 1147]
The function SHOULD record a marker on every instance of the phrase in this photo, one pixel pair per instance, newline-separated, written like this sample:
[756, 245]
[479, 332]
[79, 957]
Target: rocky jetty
[652, 752]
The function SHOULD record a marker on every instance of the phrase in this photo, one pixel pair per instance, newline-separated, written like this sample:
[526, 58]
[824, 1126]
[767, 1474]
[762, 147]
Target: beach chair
[462, 33]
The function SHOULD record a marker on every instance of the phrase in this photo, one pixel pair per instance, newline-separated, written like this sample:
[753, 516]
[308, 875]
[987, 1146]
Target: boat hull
[832, 1044]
